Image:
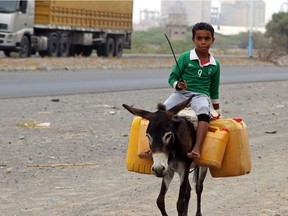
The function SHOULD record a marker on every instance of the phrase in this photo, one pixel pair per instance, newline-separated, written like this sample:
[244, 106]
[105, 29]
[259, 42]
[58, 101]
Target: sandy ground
[76, 166]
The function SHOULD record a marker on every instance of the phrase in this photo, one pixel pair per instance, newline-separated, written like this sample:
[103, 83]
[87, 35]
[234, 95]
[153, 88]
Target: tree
[277, 30]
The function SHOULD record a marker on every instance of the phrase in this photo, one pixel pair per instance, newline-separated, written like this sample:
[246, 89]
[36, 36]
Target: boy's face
[203, 40]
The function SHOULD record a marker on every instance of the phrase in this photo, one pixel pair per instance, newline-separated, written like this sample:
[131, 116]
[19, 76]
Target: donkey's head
[160, 133]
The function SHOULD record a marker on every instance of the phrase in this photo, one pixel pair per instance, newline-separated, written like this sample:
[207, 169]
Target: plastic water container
[213, 147]
[143, 142]
[140, 160]
[237, 159]
[134, 163]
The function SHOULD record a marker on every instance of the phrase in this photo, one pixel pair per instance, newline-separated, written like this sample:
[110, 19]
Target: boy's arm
[175, 75]
[214, 91]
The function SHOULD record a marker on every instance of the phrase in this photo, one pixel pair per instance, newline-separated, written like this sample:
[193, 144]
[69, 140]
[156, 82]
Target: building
[147, 19]
[195, 10]
[215, 13]
[237, 13]
[176, 26]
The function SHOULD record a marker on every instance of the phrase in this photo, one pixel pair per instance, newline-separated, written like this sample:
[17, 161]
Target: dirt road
[76, 166]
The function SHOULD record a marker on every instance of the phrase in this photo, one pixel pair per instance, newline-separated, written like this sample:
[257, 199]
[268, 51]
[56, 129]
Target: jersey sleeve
[215, 83]
[175, 75]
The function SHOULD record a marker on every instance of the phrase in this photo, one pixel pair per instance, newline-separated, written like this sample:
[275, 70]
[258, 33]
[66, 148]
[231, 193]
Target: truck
[62, 28]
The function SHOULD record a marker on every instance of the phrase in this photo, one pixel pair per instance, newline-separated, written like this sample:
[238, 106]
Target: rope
[193, 169]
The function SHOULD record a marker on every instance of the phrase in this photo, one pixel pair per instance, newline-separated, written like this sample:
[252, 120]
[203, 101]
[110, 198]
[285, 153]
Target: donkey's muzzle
[159, 171]
[160, 164]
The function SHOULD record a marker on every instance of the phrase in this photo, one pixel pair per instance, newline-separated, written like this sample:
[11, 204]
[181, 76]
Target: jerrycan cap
[238, 119]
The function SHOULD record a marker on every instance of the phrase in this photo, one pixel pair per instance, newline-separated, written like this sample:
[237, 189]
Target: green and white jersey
[204, 79]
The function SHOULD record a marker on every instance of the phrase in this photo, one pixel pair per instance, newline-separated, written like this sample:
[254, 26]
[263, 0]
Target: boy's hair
[202, 26]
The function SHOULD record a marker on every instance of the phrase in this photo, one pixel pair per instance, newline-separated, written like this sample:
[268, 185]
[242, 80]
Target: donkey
[171, 137]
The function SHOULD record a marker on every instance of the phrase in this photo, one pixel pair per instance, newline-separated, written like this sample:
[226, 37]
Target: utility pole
[250, 48]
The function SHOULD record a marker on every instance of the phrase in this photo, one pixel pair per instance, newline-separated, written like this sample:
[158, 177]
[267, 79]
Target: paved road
[43, 83]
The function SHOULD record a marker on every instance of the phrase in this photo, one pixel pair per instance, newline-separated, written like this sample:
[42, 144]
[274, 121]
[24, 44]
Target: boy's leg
[174, 99]
[202, 107]
[202, 130]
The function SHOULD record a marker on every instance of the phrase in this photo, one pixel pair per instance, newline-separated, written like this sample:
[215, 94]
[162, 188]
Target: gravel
[76, 166]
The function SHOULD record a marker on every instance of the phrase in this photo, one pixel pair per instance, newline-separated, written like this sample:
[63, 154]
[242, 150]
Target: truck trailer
[62, 28]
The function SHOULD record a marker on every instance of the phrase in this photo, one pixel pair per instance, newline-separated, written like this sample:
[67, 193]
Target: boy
[199, 75]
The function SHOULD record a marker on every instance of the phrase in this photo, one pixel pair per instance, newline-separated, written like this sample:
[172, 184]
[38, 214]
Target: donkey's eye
[167, 137]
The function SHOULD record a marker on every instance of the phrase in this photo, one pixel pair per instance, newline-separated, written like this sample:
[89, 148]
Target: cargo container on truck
[65, 27]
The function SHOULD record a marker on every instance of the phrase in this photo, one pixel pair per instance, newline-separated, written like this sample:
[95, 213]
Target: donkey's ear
[174, 110]
[143, 113]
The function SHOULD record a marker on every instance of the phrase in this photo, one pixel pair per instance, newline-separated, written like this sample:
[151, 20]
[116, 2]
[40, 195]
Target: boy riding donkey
[198, 75]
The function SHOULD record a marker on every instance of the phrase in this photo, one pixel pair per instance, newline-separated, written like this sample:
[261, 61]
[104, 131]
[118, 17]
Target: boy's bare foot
[193, 155]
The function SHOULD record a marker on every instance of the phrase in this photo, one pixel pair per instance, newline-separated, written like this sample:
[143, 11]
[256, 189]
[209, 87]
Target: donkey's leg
[200, 175]
[184, 191]
[166, 180]
[187, 198]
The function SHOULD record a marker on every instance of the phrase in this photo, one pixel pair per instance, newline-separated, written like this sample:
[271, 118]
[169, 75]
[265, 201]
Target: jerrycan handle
[214, 129]
[238, 119]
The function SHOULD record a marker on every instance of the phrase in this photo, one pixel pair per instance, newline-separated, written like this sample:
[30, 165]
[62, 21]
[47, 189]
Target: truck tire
[25, 50]
[109, 47]
[118, 49]
[64, 46]
[53, 45]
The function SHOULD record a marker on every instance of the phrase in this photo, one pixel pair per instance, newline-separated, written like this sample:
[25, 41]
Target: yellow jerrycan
[138, 158]
[237, 159]
[213, 147]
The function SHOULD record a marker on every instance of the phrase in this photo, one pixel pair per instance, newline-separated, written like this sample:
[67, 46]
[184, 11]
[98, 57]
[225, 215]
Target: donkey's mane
[161, 107]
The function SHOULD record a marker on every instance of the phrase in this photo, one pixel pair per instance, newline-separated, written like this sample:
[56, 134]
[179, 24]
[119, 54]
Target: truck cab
[16, 26]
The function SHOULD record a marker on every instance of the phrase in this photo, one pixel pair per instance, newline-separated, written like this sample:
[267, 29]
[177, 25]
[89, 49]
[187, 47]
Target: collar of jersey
[193, 56]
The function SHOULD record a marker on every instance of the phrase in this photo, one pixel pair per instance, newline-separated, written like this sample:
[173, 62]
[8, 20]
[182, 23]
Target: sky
[272, 6]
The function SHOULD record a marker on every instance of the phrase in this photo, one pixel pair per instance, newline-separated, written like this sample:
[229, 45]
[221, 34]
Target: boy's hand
[181, 85]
